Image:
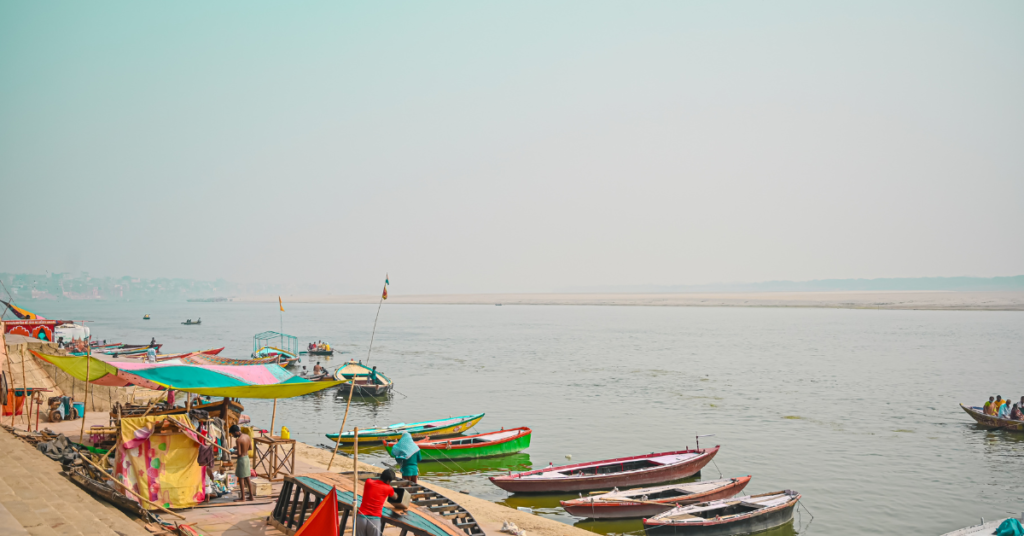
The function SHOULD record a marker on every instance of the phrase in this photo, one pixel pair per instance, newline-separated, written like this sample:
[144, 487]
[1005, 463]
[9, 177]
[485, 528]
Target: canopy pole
[85, 405]
[337, 442]
[10, 379]
[24, 394]
[273, 417]
[355, 477]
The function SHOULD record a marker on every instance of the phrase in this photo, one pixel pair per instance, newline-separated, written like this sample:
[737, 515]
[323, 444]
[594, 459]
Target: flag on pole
[385, 296]
[324, 520]
[280, 303]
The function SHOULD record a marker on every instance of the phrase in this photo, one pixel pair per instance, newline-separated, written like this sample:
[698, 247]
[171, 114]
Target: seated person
[987, 409]
[1004, 411]
[1016, 413]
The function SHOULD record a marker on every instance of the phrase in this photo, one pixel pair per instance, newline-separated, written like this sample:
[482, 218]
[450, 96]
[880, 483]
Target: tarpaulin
[248, 381]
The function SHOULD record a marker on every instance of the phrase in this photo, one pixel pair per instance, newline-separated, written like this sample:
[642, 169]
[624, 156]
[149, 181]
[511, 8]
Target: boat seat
[683, 516]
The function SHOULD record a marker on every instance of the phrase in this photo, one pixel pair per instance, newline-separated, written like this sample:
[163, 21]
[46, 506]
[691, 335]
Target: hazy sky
[517, 146]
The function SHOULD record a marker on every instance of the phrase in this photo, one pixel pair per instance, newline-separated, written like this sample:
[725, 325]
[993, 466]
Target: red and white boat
[642, 470]
[648, 502]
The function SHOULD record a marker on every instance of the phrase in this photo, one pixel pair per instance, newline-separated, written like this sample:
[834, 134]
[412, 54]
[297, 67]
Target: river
[855, 409]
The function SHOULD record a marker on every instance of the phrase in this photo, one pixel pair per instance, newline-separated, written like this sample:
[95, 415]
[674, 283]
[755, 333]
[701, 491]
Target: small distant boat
[726, 517]
[146, 317]
[439, 428]
[497, 305]
[365, 380]
[647, 502]
[497, 443]
[641, 470]
[189, 322]
[992, 422]
[321, 352]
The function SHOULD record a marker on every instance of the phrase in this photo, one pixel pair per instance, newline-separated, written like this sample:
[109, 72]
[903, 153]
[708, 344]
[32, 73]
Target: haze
[514, 147]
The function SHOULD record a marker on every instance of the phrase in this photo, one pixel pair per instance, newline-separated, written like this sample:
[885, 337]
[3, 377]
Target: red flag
[324, 520]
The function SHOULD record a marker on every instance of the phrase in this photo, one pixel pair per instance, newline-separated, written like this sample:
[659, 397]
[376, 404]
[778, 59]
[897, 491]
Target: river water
[855, 409]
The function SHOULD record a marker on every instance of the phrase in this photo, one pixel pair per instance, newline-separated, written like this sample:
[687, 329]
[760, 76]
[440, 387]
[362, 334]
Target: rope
[716, 467]
[374, 332]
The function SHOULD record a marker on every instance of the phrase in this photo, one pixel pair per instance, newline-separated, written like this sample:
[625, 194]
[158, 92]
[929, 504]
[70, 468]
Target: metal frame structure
[274, 339]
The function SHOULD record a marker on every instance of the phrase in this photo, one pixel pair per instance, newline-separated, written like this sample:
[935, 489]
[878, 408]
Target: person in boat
[373, 376]
[152, 342]
[1004, 411]
[375, 492]
[243, 469]
[317, 369]
[407, 453]
[987, 409]
[1015, 413]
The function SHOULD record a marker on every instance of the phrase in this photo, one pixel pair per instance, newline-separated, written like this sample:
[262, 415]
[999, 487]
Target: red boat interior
[612, 468]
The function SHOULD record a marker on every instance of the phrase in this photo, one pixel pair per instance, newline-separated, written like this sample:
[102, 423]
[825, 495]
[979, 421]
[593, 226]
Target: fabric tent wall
[44, 375]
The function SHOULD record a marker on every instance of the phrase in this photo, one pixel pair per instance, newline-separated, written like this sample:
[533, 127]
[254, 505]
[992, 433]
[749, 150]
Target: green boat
[452, 426]
[497, 443]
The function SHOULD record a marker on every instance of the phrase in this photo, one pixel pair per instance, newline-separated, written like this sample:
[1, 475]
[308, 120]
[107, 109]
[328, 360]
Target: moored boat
[641, 470]
[127, 351]
[452, 426]
[365, 380]
[189, 322]
[992, 422]
[269, 352]
[647, 502]
[497, 443]
[726, 517]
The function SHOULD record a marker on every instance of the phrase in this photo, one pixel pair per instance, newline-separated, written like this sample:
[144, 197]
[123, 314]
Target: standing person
[372, 505]
[151, 355]
[407, 452]
[243, 469]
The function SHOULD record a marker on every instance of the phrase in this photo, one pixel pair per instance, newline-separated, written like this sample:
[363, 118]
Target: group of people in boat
[319, 346]
[1000, 408]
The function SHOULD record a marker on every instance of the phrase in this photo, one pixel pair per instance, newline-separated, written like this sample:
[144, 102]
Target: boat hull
[990, 422]
[320, 352]
[363, 389]
[380, 436]
[655, 475]
[624, 510]
[502, 448]
[759, 522]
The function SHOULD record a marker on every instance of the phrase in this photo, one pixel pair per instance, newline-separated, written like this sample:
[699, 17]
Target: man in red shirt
[371, 507]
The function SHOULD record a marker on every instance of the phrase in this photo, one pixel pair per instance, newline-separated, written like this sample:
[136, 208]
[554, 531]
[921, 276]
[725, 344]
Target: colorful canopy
[249, 381]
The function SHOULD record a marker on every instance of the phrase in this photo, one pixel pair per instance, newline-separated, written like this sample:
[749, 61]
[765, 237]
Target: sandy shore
[921, 300]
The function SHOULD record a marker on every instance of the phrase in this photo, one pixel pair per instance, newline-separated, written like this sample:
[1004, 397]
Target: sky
[512, 147]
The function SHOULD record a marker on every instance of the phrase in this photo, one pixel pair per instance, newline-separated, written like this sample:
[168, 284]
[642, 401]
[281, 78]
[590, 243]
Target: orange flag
[280, 303]
[324, 520]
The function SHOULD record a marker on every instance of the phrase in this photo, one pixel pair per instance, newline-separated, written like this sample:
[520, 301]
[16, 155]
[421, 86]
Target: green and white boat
[475, 446]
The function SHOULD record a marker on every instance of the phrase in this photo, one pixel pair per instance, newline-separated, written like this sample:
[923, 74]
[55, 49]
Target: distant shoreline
[887, 300]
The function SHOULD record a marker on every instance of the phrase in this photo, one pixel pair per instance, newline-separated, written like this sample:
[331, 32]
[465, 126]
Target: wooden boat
[95, 346]
[726, 517]
[182, 355]
[452, 426]
[984, 529]
[189, 322]
[497, 443]
[365, 380]
[269, 352]
[126, 351]
[146, 317]
[210, 359]
[647, 502]
[992, 422]
[651, 468]
[320, 352]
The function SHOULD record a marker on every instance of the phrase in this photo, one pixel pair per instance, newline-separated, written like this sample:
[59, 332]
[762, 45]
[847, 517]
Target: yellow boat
[449, 427]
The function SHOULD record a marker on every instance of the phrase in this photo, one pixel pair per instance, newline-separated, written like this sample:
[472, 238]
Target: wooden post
[351, 389]
[273, 417]
[10, 377]
[85, 404]
[355, 477]
[24, 383]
